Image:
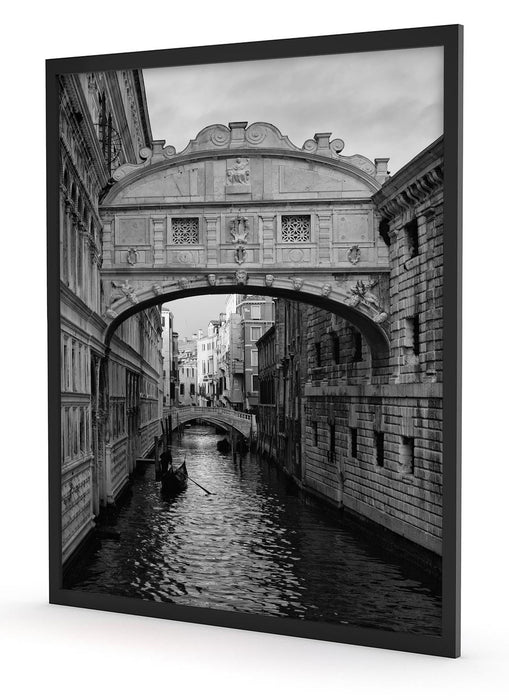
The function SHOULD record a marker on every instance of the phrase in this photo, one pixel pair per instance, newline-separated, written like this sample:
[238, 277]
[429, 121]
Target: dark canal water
[255, 546]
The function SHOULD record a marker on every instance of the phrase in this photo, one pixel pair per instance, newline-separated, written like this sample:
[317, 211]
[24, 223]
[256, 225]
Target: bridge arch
[355, 302]
[220, 416]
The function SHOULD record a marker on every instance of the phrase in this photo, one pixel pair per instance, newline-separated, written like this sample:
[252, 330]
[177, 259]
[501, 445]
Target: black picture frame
[451, 39]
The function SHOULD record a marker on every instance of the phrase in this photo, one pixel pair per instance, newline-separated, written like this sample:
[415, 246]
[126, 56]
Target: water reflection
[255, 545]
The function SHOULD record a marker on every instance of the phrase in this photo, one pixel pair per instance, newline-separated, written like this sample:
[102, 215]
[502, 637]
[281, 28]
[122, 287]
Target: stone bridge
[242, 209]
[244, 423]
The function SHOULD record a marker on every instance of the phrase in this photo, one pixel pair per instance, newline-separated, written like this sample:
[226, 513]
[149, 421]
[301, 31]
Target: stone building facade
[187, 377]
[370, 432]
[207, 372]
[170, 358]
[110, 397]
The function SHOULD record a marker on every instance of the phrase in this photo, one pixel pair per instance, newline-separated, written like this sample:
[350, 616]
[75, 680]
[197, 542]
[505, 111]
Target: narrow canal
[257, 546]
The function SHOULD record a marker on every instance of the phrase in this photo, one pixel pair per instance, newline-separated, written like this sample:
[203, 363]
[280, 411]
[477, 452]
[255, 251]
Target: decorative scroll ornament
[241, 276]
[255, 133]
[297, 283]
[360, 293]
[269, 280]
[132, 256]
[354, 254]
[326, 290]
[212, 280]
[238, 174]
[128, 168]
[336, 146]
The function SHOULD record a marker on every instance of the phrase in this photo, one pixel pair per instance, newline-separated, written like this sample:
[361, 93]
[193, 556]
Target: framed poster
[254, 318]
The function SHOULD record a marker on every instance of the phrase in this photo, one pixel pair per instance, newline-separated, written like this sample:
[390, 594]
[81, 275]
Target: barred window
[295, 229]
[184, 231]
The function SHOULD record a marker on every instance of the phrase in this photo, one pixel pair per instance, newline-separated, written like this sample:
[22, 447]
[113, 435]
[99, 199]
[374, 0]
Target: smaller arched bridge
[244, 423]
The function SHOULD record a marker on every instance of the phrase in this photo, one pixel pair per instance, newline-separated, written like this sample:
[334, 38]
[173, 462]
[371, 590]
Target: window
[184, 231]
[315, 433]
[295, 229]
[318, 352]
[407, 455]
[379, 446]
[412, 238]
[182, 389]
[256, 312]
[415, 334]
[331, 455]
[353, 442]
[192, 390]
[256, 332]
[335, 349]
[357, 346]
[254, 358]
[255, 382]
[412, 334]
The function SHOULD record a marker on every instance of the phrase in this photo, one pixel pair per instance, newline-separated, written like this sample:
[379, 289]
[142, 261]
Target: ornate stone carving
[296, 255]
[212, 280]
[238, 173]
[157, 289]
[297, 282]
[120, 290]
[239, 229]
[184, 257]
[295, 228]
[360, 293]
[241, 276]
[183, 283]
[240, 254]
[269, 280]
[326, 290]
[132, 256]
[354, 254]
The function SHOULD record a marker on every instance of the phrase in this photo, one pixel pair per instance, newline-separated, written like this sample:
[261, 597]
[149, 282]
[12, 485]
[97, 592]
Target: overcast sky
[387, 104]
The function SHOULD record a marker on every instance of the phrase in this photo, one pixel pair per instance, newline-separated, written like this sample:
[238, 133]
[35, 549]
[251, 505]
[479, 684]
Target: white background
[71, 653]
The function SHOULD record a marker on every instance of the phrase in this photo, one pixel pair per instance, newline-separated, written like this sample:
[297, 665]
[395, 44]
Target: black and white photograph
[251, 276]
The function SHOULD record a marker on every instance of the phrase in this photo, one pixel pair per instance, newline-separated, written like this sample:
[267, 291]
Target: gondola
[174, 481]
[223, 446]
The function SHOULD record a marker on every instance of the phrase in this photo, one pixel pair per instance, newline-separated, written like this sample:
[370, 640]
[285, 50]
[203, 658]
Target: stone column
[324, 236]
[107, 243]
[211, 240]
[159, 242]
[268, 238]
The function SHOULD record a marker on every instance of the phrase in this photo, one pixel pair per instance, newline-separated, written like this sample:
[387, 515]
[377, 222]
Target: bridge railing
[208, 410]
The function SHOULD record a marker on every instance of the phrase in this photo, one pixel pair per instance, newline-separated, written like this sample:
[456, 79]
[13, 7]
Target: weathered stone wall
[384, 460]
[372, 430]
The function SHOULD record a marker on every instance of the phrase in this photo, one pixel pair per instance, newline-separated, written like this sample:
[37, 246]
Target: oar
[195, 482]
[202, 487]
